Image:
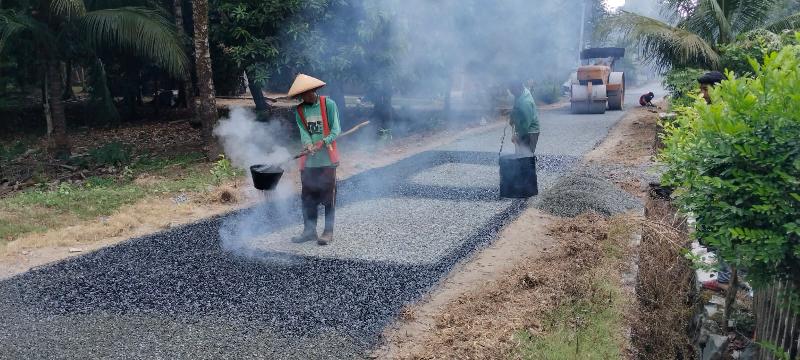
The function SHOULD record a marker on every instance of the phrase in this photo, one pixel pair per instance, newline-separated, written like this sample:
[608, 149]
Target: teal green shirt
[525, 116]
[314, 132]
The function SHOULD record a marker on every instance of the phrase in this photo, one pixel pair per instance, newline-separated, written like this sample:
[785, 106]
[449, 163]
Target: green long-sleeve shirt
[525, 116]
[314, 132]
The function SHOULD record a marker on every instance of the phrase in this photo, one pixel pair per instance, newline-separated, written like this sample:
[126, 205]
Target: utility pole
[583, 29]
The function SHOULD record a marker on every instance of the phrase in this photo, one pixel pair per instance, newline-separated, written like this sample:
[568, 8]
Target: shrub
[681, 84]
[12, 151]
[114, 153]
[548, 93]
[736, 165]
[223, 170]
[752, 45]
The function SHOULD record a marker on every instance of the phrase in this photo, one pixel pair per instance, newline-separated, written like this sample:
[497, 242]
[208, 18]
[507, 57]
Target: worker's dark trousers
[526, 144]
[319, 188]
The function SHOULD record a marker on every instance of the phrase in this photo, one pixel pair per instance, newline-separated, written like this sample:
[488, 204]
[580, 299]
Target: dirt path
[429, 325]
[156, 214]
[409, 336]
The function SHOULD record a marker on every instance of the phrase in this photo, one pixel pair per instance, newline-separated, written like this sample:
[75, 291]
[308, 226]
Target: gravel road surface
[182, 294]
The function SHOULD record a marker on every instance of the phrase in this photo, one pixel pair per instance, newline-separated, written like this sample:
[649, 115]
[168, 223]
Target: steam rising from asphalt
[247, 142]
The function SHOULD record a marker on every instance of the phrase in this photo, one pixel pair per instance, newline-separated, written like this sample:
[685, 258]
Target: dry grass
[159, 214]
[630, 142]
[540, 297]
[664, 288]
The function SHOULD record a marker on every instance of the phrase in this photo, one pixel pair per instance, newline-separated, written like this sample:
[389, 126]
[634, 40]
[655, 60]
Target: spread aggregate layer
[182, 293]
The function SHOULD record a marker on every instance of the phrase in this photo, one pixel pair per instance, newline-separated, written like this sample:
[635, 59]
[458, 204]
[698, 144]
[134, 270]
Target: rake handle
[348, 132]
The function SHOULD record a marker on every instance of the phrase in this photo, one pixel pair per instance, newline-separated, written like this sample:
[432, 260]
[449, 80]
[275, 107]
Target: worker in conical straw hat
[318, 121]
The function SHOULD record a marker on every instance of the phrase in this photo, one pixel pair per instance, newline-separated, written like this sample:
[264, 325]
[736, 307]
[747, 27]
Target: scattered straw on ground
[484, 323]
[663, 288]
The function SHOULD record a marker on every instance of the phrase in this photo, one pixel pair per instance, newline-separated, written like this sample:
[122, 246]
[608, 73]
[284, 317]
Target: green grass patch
[586, 329]
[591, 324]
[40, 209]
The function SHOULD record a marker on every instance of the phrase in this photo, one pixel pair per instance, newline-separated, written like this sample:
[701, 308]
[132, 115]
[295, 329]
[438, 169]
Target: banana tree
[698, 29]
[127, 27]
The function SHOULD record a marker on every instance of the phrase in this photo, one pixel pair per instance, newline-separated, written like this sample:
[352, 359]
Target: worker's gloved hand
[309, 148]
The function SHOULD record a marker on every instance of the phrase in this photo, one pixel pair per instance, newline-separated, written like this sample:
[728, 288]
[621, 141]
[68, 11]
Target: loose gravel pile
[585, 190]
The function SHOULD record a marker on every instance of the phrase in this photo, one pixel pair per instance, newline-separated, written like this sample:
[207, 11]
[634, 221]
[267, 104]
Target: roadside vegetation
[736, 166]
[51, 206]
[590, 321]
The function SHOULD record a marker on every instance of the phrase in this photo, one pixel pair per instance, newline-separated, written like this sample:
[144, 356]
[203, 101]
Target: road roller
[596, 87]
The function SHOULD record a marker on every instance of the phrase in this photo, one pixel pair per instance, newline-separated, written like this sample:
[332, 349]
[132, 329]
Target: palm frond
[664, 45]
[703, 21]
[712, 9]
[9, 26]
[140, 32]
[14, 24]
[67, 8]
[751, 14]
[791, 22]
[92, 5]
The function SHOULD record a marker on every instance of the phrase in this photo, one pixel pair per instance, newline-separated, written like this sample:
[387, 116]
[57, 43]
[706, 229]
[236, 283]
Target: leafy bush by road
[736, 166]
[681, 83]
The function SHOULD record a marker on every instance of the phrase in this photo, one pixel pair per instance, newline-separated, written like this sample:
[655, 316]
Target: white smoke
[248, 142]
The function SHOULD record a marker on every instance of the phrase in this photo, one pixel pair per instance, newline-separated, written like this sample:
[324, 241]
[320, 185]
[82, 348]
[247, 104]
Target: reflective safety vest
[333, 153]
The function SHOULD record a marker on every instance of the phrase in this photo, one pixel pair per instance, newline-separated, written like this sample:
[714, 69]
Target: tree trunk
[730, 295]
[448, 105]
[383, 107]
[256, 93]
[59, 142]
[207, 107]
[68, 93]
[48, 118]
[184, 87]
[157, 98]
[82, 73]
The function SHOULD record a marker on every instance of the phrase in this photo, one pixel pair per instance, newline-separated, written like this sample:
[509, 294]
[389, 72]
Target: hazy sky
[613, 4]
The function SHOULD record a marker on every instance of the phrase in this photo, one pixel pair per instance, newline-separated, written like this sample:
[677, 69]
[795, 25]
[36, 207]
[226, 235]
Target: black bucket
[266, 177]
[518, 176]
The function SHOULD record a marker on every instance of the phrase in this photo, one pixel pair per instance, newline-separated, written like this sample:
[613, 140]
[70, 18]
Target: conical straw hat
[303, 83]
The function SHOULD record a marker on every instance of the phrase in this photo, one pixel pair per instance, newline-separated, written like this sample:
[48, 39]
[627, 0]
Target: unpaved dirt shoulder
[525, 238]
[155, 214]
[437, 324]
[630, 142]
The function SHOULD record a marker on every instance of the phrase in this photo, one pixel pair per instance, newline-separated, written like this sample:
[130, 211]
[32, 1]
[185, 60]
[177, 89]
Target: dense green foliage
[736, 166]
[753, 45]
[682, 84]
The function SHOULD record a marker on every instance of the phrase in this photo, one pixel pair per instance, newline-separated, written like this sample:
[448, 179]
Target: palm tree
[99, 25]
[207, 106]
[700, 28]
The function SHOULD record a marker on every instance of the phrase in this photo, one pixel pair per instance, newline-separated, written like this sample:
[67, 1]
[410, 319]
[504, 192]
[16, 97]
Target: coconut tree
[207, 106]
[131, 28]
[697, 30]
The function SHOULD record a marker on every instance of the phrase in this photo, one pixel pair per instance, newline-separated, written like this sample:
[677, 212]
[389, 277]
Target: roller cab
[595, 86]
